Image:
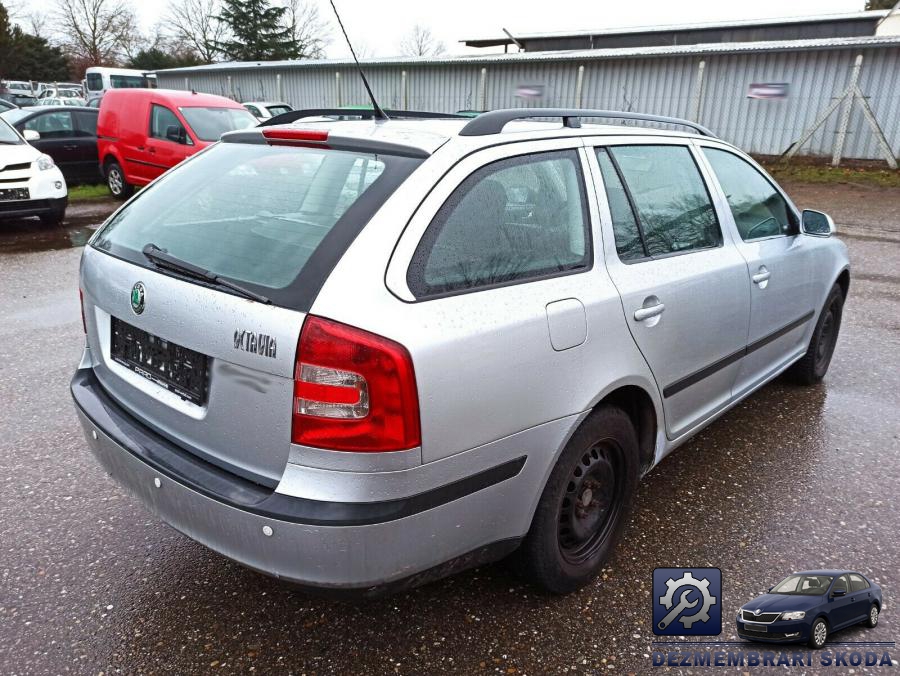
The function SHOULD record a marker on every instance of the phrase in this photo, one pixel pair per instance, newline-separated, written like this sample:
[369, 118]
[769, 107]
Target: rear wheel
[872, 622]
[818, 634]
[813, 366]
[115, 181]
[585, 504]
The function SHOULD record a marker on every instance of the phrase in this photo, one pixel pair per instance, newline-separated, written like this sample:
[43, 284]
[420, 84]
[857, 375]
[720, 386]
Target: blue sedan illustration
[809, 606]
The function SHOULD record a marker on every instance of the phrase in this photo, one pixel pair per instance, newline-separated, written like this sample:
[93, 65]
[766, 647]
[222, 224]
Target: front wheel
[872, 622]
[813, 366]
[584, 505]
[115, 181]
[819, 634]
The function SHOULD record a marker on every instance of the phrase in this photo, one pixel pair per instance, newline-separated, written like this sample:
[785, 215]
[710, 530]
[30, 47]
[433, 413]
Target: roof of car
[39, 109]
[264, 103]
[430, 134]
[833, 573]
[177, 97]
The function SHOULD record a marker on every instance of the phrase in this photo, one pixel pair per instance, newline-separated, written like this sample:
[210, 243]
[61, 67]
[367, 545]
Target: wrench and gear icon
[667, 600]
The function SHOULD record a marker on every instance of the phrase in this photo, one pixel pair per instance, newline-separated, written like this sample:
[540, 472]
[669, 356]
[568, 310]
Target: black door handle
[70, 147]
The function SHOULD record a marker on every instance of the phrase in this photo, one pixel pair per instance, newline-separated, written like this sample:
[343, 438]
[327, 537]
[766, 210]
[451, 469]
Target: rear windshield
[210, 123]
[278, 110]
[258, 214]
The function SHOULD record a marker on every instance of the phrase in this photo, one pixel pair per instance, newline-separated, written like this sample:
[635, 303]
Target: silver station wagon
[364, 354]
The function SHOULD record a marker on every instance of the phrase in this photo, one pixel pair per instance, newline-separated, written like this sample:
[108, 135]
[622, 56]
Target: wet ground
[793, 478]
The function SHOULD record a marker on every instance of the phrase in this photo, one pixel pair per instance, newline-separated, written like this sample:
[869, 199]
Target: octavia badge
[137, 298]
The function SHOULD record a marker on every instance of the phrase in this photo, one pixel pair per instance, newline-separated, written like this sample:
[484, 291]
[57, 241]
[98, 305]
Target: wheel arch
[642, 410]
[843, 281]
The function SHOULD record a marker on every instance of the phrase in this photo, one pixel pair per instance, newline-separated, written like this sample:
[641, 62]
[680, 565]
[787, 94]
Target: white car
[61, 101]
[263, 110]
[30, 183]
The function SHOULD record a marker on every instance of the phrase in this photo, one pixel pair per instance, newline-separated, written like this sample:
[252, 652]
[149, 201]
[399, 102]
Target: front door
[780, 268]
[840, 608]
[682, 282]
[165, 150]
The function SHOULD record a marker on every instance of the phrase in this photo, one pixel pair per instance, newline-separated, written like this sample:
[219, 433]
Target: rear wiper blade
[164, 259]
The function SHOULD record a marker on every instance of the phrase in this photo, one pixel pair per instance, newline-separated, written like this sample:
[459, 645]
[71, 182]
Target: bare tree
[421, 42]
[95, 32]
[308, 31]
[195, 25]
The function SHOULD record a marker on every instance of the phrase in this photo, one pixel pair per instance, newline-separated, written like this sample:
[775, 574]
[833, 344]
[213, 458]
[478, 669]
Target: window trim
[792, 208]
[575, 156]
[593, 147]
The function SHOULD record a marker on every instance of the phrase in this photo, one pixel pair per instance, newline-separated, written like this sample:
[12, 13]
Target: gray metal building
[709, 83]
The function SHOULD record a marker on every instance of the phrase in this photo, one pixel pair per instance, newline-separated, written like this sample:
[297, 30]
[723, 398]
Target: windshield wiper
[164, 259]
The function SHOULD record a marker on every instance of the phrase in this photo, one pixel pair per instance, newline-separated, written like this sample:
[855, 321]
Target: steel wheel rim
[115, 181]
[873, 615]
[592, 502]
[820, 633]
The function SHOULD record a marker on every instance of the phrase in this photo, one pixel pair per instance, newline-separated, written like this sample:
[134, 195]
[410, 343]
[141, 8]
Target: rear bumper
[368, 547]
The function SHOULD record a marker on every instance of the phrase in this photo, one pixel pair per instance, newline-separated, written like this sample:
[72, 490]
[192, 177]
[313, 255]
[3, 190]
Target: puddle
[27, 235]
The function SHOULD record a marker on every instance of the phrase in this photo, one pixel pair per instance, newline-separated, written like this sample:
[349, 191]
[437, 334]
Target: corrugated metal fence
[666, 85]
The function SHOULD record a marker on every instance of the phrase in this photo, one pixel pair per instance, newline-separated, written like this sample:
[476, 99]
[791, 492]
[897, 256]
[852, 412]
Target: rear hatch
[195, 292]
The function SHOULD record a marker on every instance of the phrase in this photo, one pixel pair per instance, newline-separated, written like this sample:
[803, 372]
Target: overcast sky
[379, 25]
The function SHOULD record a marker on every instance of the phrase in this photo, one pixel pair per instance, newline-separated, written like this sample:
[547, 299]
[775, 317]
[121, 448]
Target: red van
[143, 132]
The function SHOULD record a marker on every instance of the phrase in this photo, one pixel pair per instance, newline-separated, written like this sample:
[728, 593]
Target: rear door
[85, 141]
[682, 282]
[781, 268]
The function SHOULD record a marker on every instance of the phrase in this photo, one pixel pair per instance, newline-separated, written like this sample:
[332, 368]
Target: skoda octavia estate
[362, 354]
[810, 605]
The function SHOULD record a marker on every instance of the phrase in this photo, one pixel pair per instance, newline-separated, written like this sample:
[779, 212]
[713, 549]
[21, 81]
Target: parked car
[61, 101]
[360, 355]
[810, 606]
[7, 105]
[144, 132]
[20, 100]
[30, 183]
[94, 102]
[68, 135]
[263, 110]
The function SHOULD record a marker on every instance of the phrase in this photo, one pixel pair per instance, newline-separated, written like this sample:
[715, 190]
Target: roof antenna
[379, 113]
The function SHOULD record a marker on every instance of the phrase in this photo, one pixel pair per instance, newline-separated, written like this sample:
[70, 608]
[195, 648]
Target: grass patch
[88, 193]
[814, 173]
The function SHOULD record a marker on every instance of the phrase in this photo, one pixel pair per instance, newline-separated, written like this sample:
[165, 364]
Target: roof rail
[364, 113]
[493, 121]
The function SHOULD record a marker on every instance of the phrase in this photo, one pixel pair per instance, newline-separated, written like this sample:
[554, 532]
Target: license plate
[752, 626]
[10, 194]
[174, 367]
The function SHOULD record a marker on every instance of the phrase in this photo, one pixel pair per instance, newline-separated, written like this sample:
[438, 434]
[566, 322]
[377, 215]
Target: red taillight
[296, 136]
[353, 390]
[81, 305]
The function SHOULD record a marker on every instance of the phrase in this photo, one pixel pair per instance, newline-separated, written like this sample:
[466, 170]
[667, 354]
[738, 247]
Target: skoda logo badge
[137, 298]
[757, 611]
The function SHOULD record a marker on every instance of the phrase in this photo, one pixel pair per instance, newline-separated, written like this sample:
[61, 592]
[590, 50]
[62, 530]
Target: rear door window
[672, 206]
[857, 583]
[513, 220]
[259, 214]
[86, 123]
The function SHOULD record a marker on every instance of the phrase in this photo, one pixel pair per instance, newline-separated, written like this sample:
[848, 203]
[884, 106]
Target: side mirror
[769, 589]
[838, 591]
[817, 224]
[31, 135]
[176, 133]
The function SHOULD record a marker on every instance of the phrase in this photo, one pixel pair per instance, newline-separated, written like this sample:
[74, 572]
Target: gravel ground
[792, 478]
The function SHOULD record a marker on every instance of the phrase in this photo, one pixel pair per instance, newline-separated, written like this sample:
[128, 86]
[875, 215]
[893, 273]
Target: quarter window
[667, 196]
[758, 208]
[515, 219]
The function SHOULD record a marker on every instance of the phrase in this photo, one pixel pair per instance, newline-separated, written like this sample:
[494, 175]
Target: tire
[813, 366]
[115, 181]
[872, 622]
[818, 634]
[585, 504]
